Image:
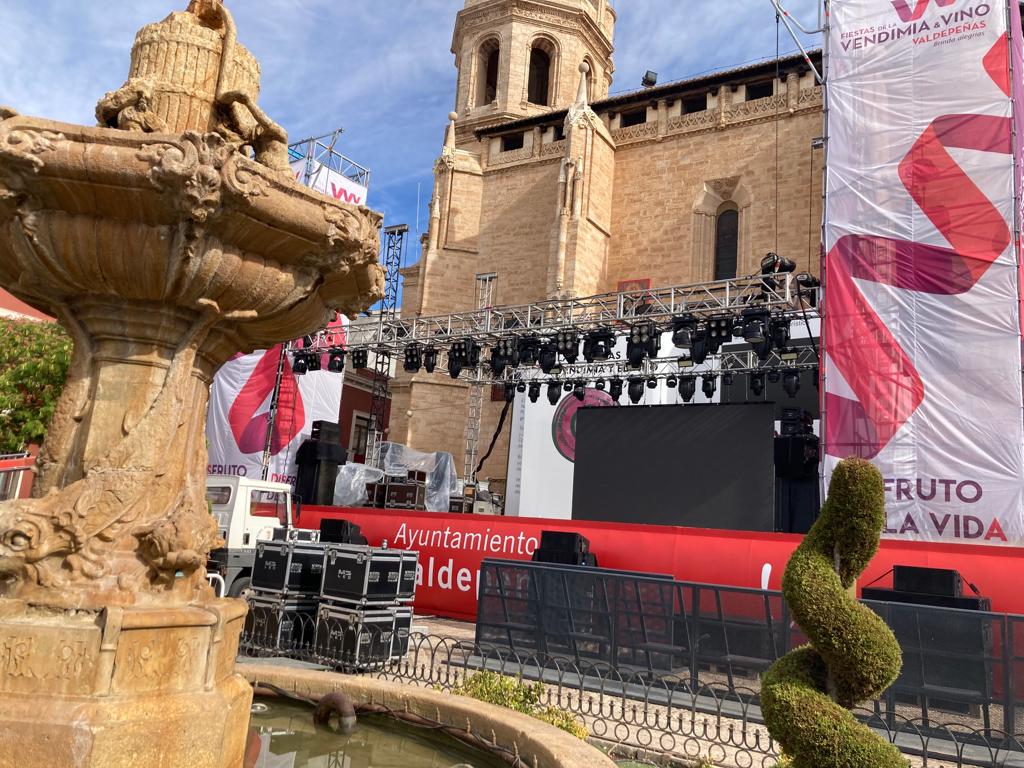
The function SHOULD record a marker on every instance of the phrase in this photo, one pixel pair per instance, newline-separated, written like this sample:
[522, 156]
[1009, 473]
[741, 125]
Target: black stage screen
[702, 466]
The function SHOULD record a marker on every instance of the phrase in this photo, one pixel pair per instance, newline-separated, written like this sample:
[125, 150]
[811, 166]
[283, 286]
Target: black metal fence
[673, 668]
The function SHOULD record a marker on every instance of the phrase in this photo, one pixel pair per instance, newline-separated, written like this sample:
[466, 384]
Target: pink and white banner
[922, 330]
[238, 418]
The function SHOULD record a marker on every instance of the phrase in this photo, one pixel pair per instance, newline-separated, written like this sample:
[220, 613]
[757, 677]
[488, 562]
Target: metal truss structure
[394, 252]
[319, 152]
[781, 295]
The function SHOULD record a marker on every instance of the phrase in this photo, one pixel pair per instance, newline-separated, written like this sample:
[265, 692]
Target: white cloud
[380, 68]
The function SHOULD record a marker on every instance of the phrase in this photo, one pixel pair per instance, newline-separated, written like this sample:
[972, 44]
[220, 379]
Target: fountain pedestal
[165, 240]
[123, 687]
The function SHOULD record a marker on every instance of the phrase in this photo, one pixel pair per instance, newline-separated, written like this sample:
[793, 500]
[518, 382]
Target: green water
[289, 739]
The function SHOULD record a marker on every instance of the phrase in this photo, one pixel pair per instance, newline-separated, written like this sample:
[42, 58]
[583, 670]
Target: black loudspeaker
[927, 581]
[318, 460]
[326, 431]
[334, 531]
[796, 456]
[963, 602]
[564, 541]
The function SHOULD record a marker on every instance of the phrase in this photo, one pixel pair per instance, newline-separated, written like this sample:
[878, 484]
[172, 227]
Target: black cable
[878, 579]
[494, 438]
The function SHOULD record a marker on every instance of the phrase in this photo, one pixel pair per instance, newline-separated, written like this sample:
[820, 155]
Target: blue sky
[381, 68]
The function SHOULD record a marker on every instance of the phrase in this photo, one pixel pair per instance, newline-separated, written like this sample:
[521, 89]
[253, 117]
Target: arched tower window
[487, 80]
[726, 241]
[539, 86]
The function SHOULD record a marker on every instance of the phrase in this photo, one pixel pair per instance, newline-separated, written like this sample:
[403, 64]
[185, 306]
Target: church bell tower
[518, 58]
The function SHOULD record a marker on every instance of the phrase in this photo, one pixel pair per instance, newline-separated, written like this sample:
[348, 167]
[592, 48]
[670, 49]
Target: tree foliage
[34, 359]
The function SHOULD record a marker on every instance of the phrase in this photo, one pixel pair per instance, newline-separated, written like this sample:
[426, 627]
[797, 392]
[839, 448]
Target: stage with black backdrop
[718, 466]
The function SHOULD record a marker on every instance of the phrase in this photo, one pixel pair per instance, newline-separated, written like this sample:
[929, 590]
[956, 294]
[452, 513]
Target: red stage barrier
[452, 547]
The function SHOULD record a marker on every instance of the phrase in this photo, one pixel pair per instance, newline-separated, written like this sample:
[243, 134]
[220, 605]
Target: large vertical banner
[922, 331]
[238, 419]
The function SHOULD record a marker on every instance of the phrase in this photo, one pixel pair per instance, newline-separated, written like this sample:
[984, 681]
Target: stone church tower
[518, 58]
[547, 188]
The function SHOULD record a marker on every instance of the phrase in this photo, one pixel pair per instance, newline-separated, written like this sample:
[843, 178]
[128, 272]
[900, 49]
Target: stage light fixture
[429, 359]
[579, 390]
[671, 382]
[720, 330]
[467, 351]
[755, 325]
[683, 329]
[727, 379]
[788, 355]
[791, 382]
[508, 349]
[600, 385]
[687, 388]
[534, 391]
[360, 358]
[313, 361]
[757, 384]
[568, 343]
[780, 333]
[521, 386]
[699, 350]
[708, 384]
[413, 358]
[454, 365]
[299, 364]
[644, 341]
[336, 361]
[684, 362]
[598, 344]
[636, 389]
[529, 347]
[498, 363]
[554, 392]
[652, 382]
[806, 286]
[548, 357]
[510, 392]
[773, 264]
[567, 386]
[615, 389]
[773, 376]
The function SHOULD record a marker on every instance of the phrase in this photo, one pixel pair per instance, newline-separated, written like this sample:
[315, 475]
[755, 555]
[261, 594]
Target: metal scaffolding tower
[319, 152]
[394, 253]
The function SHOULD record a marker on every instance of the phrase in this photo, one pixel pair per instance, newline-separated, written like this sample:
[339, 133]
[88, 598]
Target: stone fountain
[165, 240]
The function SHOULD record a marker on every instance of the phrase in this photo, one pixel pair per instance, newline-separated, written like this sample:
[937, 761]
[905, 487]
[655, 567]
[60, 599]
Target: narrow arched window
[490, 58]
[539, 87]
[727, 232]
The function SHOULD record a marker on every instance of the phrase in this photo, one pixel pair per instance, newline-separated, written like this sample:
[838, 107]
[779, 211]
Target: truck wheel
[240, 587]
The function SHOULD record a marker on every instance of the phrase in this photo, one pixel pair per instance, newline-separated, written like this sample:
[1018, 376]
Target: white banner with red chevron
[922, 334]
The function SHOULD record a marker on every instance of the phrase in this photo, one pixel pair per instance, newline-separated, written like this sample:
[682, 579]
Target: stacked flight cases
[364, 617]
[286, 577]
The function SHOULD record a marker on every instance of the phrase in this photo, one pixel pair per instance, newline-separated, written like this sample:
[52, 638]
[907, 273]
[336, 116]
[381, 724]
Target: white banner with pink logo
[922, 331]
[238, 423]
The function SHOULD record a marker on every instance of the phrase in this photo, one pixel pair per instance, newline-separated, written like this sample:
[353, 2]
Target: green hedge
[852, 653]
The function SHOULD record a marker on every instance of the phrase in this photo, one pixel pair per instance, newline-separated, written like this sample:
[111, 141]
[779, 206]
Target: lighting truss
[617, 311]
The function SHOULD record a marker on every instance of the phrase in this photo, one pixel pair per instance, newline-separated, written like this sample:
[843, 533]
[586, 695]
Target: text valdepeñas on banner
[922, 333]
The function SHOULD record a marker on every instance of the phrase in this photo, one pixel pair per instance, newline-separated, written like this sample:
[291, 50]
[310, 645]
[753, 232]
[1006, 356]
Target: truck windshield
[218, 495]
[269, 504]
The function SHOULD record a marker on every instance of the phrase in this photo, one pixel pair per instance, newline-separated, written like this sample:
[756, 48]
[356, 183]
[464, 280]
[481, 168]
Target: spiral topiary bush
[853, 656]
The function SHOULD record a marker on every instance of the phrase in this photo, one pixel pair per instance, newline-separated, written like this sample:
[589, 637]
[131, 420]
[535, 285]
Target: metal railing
[704, 702]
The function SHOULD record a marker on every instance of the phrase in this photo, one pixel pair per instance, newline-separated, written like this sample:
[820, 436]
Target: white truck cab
[247, 511]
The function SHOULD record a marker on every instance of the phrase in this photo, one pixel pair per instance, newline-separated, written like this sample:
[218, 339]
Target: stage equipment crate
[354, 639]
[361, 576]
[279, 624]
[289, 567]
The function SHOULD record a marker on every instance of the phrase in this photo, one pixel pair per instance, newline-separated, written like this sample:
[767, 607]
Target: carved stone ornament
[165, 240]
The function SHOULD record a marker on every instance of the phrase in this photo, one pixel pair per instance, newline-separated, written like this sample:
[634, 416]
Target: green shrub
[34, 358]
[852, 652]
[515, 694]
